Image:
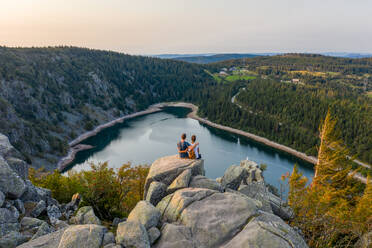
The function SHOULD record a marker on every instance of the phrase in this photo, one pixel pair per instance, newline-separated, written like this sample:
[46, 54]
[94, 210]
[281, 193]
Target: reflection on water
[146, 138]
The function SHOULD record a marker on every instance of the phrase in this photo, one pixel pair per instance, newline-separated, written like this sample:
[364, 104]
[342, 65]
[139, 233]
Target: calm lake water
[144, 139]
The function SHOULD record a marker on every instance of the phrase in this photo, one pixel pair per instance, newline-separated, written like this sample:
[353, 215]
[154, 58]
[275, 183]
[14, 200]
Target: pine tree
[297, 186]
[333, 166]
[329, 211]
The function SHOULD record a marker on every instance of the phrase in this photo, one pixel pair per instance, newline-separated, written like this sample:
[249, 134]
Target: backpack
[192, 154]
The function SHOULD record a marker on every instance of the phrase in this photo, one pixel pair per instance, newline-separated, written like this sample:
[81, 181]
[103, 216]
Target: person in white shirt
[194, 148]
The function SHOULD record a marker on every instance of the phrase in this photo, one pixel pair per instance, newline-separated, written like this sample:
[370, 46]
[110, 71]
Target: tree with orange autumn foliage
[334, 210]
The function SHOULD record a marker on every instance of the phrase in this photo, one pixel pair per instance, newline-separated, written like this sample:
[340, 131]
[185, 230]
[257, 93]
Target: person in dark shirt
[183, 147]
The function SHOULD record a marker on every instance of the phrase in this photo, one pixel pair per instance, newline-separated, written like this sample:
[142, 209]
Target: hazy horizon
[190, 27]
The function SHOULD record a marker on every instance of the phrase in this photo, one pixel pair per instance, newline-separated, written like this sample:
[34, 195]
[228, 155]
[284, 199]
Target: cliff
[183, 208]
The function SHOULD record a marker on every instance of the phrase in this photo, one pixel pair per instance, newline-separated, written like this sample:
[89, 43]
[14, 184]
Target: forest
[288, 96]
[50, 95]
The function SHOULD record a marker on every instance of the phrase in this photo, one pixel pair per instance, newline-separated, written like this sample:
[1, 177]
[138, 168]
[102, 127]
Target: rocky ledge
[27, 212]
[183, 208]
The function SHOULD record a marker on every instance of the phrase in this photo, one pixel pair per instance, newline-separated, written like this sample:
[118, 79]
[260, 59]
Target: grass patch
[236, 77]
[369, 94]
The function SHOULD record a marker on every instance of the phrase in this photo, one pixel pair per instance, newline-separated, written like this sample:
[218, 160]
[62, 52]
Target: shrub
[89, 125]
[112, 193]
[263, 167]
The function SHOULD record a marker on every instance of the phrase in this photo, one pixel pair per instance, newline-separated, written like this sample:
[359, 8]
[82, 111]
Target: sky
[190, 26]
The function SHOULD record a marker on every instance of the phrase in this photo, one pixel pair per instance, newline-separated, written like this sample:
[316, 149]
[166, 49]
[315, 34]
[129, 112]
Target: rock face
[182, 181]
[85, 215]
[266, 230]
[46, 241]
[156, 192]
[201, 212]
[11, 184]
[166, 169]
[132, 234]
[174, 235]
[146, 214]
[8, 222]
[83, 236]
[183, 208]
[233, 177]
[39, 208]
[20, 199]
[205, 183]
[154, 234]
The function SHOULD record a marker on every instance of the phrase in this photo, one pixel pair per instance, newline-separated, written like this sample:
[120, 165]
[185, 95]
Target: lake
[144, 139]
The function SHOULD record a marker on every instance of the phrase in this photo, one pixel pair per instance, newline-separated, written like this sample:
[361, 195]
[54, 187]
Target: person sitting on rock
[194, 152]
[184, 146]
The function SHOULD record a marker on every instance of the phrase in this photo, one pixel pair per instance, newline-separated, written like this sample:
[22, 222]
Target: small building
[223, 73]
[295, 80]
[224, 69]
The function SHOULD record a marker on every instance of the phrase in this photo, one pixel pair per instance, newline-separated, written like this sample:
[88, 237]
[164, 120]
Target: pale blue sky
[190, 26]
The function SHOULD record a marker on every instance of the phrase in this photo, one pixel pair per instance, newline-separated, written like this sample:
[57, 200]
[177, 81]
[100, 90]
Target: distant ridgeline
[48, 96]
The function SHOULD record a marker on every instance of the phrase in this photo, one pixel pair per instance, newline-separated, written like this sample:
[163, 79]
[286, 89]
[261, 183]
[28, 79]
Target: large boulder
[46, 241]
[182, 181]
[19, 166]
[156, 192]
[11, 184]
[85, 215]
[38, 209]
[154, 234]
[267, 230]
[146, 214]
[12, 239]
[108, 238]
[54, 213]
[36, 194]
[13, 157]
[204, 182]
[279, 207]
[132, 234]
[43, 230]
[166, 169]
[258, 191]
[20, 206]
[211, 216]
[6, 149]
[218, 217]
[31, 225]
[83, 236]
[233, 177]
[174, 235]
[171, 207]
[30, 194]
[8, 222]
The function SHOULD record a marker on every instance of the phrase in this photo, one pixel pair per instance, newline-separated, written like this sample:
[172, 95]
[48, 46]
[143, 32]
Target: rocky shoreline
[75, 147]
[64, 162]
